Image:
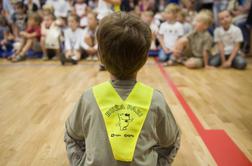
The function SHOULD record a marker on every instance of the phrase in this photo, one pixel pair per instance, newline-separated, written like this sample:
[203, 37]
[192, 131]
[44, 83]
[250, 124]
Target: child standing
[73, 38]
[30, 38]
[169, 32]
[122, 121]
[228, 37]
[193, 50]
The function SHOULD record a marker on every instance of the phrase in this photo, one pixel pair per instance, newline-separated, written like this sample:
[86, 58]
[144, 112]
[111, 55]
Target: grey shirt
[87, 142]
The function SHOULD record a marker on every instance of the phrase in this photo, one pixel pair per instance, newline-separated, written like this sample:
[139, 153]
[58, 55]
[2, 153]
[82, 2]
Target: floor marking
[224, 151]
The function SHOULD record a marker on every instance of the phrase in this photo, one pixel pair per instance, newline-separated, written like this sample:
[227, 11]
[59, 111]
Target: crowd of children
[195, 34]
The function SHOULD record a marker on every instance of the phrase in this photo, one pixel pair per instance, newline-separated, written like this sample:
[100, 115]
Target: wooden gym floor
[36, 97]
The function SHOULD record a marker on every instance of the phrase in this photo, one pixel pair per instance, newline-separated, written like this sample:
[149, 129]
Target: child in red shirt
[30, 38]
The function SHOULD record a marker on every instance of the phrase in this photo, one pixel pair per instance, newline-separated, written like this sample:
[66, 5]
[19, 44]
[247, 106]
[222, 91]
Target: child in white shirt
[73, 37]
[169, 32]
[228, 37]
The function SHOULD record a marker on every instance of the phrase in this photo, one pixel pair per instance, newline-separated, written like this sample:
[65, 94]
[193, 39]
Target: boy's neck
[74, 29]
[226, 28]
[171, 21]
[133, 77]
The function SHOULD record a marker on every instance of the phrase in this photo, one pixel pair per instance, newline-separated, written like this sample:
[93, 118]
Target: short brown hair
[123, 44]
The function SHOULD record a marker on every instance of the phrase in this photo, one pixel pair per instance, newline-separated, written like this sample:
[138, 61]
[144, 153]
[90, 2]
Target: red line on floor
[224, 151]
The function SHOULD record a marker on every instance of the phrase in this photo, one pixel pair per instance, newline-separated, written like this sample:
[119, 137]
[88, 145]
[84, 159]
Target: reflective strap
[123, 119]
[117, 8]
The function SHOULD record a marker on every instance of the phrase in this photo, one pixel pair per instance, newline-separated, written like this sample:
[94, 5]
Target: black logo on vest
[124, 120]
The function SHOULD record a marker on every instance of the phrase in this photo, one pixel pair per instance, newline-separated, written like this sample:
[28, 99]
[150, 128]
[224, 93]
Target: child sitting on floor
[30, 38]
[147, 17]
[50, 40]
[89, 43]
[73, 38]
[19, 19]
[228, 37]
[169, 32]
[193, 49]
[6, 38]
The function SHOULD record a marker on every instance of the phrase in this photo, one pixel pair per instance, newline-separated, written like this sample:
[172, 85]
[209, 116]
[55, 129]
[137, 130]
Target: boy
[30, 38]
[73, 38]
[193, 50]
[169, 32]
[228, 37]
[108, 126]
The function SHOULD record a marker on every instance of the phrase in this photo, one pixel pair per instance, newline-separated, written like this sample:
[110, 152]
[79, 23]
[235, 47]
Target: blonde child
[193, 49]
[50, 39]
[170, 31]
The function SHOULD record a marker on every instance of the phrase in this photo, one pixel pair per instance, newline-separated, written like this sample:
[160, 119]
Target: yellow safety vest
[123, 119]
[117, 8]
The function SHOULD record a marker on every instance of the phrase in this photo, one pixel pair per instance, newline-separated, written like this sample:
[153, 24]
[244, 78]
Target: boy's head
[123, 44]
[225, 19]
[73, 21]
[48, 20]
[92, 20]
[19, 7]
[171, 11]
[202, 21]
[34, 19]
[147, 17]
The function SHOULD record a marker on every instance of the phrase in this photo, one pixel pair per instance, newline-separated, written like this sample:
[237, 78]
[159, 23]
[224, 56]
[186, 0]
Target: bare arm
[113, 2]
[205, 57]
[28, 35]
[161, 40]
[222, 53]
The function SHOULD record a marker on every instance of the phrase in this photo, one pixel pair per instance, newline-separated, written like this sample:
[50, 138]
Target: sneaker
[102, 68]
[73, 61]
[45, 58]
[19, 58]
